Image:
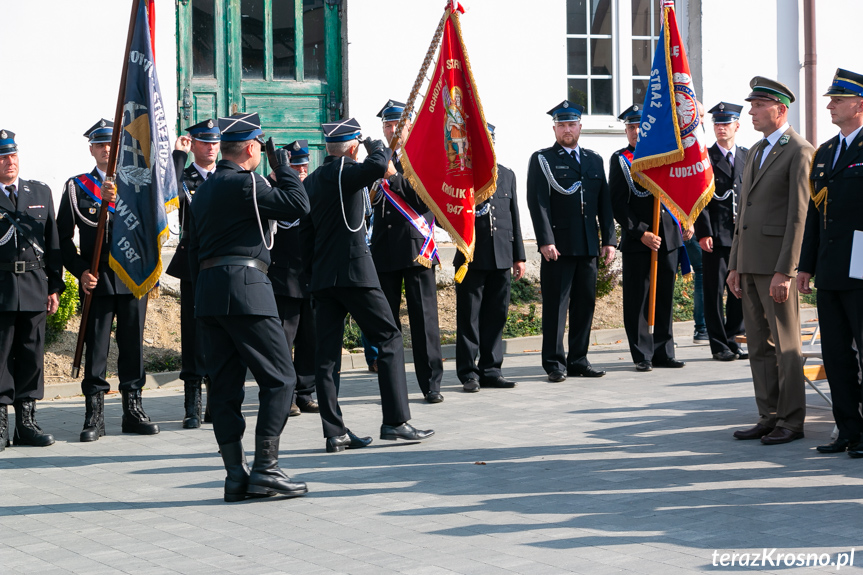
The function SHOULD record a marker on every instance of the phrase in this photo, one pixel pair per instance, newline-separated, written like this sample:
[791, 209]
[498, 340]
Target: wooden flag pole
[654, 255]
[103, 211]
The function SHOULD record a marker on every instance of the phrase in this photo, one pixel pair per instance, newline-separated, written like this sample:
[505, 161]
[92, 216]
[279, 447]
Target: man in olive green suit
[763, 262]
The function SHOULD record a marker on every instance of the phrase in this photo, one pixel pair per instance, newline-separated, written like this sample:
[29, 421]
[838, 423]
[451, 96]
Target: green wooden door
[279, 58]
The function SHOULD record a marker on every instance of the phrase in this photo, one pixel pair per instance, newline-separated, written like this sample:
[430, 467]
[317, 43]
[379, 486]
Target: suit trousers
[235, 343]
[482, 305]
[298, 322]
[131, 314]
[192, 352]
[721, 327]
[22, 349]
[636, 288]
[568, 284]
[370, 310]
[421, 298]
[773, 340]
[840, 314]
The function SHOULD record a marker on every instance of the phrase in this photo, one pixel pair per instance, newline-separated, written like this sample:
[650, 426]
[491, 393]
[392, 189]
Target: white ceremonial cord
[285, 225]
[5, 239]
[271, 225]
[546, 170]
[625, 167]
[73, 199]
[342, 202]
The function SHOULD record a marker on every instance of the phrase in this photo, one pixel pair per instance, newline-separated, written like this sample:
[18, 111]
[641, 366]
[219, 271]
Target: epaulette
[588, 152]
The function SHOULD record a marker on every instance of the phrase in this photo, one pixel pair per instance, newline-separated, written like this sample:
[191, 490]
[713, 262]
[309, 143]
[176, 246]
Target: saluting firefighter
[344, 281]
[30, 283]
[835, 215]
[482, 298]
[397, 240]
[291, 287]
[79, 208]
[633, 210]
[203, 143]
[570, 206]
[714, 229]
[231, 232]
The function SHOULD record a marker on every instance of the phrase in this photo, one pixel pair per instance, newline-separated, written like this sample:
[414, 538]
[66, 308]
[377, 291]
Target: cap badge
[296, 145]
[566, 104]
[210, 124]
[635, 108]
[102, 123]
[721, 106]
[4, 135]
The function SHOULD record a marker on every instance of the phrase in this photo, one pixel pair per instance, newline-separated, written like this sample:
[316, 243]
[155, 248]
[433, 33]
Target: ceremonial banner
[146, 181]
[671, 158]
[448, 155]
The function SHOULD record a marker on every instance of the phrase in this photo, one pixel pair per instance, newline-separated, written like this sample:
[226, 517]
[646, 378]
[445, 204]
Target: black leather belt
[21, 267]
[233, 261]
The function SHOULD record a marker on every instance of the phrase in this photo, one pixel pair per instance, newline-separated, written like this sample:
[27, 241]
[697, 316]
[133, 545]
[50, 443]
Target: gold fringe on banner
[424, 261]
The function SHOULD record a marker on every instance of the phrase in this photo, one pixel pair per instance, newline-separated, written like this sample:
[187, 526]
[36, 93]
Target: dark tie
[575, 157]
[13, 197]
[841, 152]
[730, 158]
[764, 144]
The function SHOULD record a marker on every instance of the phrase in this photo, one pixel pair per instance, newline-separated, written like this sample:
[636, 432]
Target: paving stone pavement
[631, 473]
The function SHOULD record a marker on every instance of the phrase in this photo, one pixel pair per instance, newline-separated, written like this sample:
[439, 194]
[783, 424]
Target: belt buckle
[20, 267]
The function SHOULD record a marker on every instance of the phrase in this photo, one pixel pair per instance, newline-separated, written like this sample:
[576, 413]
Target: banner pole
[103, 211]
[654, 261]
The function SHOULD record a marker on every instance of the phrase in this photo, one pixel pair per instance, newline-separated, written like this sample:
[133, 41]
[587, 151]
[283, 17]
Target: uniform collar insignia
[784, 139]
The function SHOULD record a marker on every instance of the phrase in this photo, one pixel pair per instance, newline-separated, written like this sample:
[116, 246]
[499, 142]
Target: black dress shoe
[855, 451]
[556, 376]
[643, 366]
[584, 371]
[725, 355]
[498, 382]
[308, 406]
[434, 397]
[670, 362]
[742, 355]
[347, 441]
[295, 411]
[471, 385]
[781, 435]
[756, 432]
[405, 431]
[838, 446]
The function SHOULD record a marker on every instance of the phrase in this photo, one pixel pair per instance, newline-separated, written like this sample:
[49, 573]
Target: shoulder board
[587, 152]
[548, 149]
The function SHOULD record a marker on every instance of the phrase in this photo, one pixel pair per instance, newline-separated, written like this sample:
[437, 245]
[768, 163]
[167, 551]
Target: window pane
[600, 52]
[639, 90]
[284, 42]
[641, 60]
[253, 38]
[641, 16]
[577, 91]
[313, 40]
[600, 17]
[602, 97]
[203, 38]
[576, 17]
[576, 56]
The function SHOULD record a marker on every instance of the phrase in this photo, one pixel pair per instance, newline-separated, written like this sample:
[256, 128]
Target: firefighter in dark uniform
[31, 281]
[570, 206]
[633, 210]
[714, 229]
[482, 298]
[396, 243]
[203, 142]
[343, 281]
[231, 228]
[79, 208]
[291, 287]
[834, 218]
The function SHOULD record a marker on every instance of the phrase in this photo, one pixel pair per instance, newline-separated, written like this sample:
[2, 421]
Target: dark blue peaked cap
[846, 83]
[7, 143]
[341, 131]
[725, 113]
[240, 127]
[206, 131]
[100, 132]
[392, 111]
[631, 115]
[566, 111]
[299, 152]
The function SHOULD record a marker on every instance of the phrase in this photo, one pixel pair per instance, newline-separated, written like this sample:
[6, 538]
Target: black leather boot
[94, 417]
[134, 418]
[207, 417]
[266, 478]
[27, 431]
[237, 481]
[192, 419]
[4, 426]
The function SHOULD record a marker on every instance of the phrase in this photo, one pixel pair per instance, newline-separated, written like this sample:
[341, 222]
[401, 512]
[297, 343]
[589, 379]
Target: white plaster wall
[61, 73]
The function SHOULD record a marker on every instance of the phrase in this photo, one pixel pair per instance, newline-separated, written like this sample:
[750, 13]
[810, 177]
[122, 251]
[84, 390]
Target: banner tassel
[460, 273]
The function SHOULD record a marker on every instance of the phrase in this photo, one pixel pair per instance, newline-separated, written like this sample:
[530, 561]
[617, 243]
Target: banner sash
[428, 252]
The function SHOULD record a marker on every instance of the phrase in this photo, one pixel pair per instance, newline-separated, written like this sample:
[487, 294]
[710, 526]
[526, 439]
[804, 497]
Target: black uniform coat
[192, 178]
[286, 271]
[29, 291]
[716, 220]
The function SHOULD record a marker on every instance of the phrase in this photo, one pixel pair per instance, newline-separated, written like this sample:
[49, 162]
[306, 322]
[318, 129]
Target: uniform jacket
[29, 291]
[635, 214]
[498, 232]
[286, 270]
[223, 222]
[828, 238]
[179, 266]
[716, 220]
[558, 218]
[77, 259]
[335, 256]
[772, 212]
[395, 242]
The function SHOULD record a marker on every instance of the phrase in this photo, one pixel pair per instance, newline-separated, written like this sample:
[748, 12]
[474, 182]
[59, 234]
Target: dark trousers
[636, 287]
[482, 303]
[237, 342]
[298, 322]
[721, 327]
[840, 313]
[22, 352]
[421, 298]
[569, 283]
[192, 354]
[131, 314]
[696, 260]
[370, 310]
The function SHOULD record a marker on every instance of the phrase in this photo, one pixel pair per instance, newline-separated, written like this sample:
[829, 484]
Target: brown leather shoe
[781, 435]
[756, 432]
[295, 411]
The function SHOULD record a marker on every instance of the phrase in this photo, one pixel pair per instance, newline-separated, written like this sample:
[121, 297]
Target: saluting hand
[183, 143]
